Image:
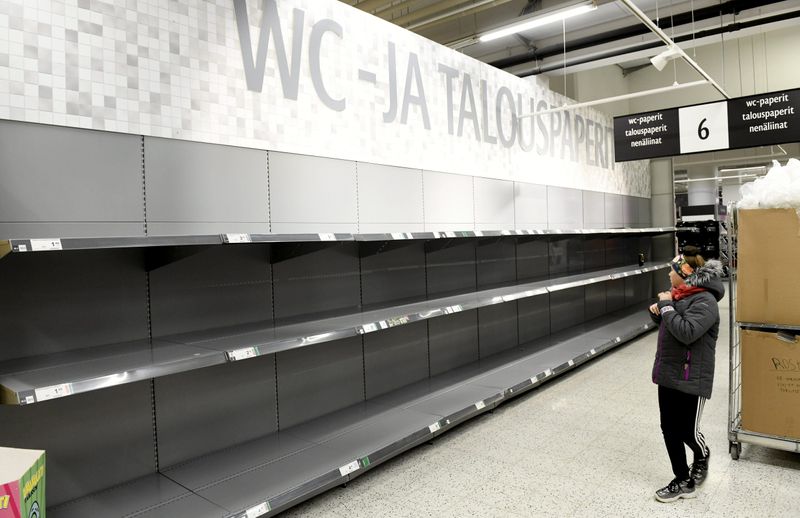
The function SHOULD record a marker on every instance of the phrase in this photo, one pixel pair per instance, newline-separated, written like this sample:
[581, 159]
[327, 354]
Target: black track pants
[680, 421]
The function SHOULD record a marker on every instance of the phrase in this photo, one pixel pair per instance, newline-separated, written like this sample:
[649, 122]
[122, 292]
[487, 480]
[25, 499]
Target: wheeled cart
[737, 433]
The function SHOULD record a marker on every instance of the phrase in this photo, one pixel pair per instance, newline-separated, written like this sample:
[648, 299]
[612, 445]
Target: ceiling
[608, 35]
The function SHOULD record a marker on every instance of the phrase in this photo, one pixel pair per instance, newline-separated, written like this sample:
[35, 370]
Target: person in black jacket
[688, 318]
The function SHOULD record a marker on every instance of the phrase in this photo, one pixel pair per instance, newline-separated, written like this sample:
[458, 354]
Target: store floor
[587, 444]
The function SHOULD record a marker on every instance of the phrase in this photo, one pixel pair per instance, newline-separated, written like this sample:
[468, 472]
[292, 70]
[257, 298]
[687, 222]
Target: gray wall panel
[630, 207]
[314, 381]
[314, 278]
[594, 257]
[494, 203]
[449, 200]
[453, 341]
[566, 309]
[52, 174]
[211, 409]
[389, 195]
[534, 318]
[197, 182]
[451, 268]
[594, 212]
[595, 298]
[302, 187]
[614, 212]
[663, 210]
[564, 208]
[566, 256]
[615, 295]
[93, 441]
[51, 229]
[496, 261]
[220, 286]
[530, 205]
[497, 328]
[643, 212]
[532, 259]
[64, 301]
[392, 271]
[395, 358]
[156, 228]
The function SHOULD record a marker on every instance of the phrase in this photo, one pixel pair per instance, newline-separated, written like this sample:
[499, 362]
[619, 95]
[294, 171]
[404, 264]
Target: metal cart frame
[736, 434]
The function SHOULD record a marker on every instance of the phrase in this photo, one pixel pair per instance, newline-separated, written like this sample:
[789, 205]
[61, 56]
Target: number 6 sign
[703, 127]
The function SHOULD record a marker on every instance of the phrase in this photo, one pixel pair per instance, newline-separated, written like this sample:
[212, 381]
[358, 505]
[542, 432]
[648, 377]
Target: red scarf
[684, 290]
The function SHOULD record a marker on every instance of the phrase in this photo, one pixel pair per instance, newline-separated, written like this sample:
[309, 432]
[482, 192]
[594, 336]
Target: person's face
[675, 279]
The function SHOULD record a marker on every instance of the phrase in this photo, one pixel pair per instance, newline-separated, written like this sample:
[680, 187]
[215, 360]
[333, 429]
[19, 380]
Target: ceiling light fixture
[737, 169]
[661, 60]
[539, 19]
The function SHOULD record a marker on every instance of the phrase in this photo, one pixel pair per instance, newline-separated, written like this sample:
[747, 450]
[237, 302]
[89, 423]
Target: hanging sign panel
[757, 120]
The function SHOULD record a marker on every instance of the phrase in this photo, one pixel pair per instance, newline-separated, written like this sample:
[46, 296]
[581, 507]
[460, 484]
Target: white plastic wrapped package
[779, 189]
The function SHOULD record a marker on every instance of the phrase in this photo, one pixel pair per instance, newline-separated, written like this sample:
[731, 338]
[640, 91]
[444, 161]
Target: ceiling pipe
[732, 27]
[388, 10]
[372, 5]
[666, 39]
[475, 9]
[685, 18]
[632, 95]
[435, 9]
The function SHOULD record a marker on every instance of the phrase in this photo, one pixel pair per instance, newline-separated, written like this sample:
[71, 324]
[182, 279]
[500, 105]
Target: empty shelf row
[90, 243]
[45, 377]
[270, 474]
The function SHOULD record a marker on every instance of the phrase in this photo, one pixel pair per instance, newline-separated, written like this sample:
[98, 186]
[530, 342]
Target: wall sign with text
[756, 120]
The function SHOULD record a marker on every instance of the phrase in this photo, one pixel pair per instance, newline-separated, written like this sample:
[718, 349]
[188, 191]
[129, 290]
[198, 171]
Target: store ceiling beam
[667, 22]
[668, 41]
[371, 5]
[732, 27]
[435, 9]
[473, 9]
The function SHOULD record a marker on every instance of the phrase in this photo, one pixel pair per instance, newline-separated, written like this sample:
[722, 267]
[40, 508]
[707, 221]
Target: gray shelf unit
[59, 303]
[277, 471]
[9, 246]
[46, 377]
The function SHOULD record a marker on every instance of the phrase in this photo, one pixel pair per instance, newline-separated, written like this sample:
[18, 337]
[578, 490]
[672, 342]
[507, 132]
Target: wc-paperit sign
[397, 83]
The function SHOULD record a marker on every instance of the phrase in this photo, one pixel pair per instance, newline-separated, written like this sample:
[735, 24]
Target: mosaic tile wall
[175, 68]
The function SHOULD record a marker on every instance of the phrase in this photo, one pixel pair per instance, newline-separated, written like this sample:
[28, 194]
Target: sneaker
[699, 470]
[675, 490]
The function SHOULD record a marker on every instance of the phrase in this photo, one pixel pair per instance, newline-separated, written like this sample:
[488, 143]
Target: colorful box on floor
[767, 281]
[22, 483]
[770, 384]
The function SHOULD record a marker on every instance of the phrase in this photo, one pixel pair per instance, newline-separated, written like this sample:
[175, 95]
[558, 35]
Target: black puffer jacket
[687, 335]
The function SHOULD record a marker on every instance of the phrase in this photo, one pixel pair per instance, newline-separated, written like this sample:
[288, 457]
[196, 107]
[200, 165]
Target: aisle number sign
[757, 120]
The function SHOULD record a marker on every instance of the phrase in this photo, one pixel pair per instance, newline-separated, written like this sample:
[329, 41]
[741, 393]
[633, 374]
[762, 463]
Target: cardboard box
[768, 280]
[770, 384]
[22, 483]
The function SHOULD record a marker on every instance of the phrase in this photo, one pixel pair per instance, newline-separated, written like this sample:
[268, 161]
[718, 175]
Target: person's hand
[654, 309]
[665, 295]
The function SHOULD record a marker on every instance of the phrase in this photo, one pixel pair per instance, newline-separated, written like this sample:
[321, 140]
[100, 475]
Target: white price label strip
[534, 380]
[593, 351]
[349, 468]
[259, 510]
[450, 234]
[480, 405]
[398, 236]
[617, 339]
[571, 363]
[53, 392]
[23, 248]
[478, 233]
[435, 427]
[548, 372]
[242, 354]
[45, 245]
[238, 238]
[369, 328]
[327, 237]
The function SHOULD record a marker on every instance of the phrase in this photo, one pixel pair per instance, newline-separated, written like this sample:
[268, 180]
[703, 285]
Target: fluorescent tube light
[735, 169]
[538, 20]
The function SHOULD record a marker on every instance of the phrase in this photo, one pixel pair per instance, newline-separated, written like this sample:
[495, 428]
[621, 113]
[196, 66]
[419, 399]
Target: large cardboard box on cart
[22, 483]
[768, 269]
[770, 384]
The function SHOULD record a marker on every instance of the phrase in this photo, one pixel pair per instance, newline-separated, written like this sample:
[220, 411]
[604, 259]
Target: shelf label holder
[44, 245]
[258, 510]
